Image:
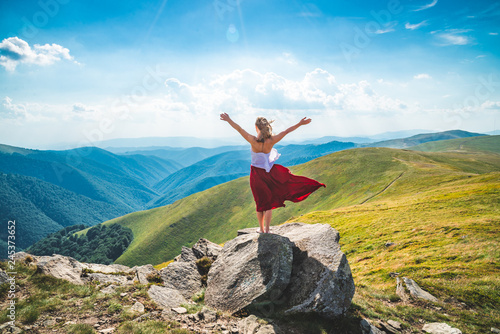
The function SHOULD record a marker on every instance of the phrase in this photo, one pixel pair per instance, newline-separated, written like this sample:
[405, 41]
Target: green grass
[472, 144]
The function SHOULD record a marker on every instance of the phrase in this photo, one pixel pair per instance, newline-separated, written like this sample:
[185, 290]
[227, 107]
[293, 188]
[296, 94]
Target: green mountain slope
[353, 177]
[423, 138]
[40, 208]
[474, 144]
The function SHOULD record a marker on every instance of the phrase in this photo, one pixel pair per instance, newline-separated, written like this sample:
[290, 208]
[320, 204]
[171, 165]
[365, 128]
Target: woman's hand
[305, 121]
[225, 117]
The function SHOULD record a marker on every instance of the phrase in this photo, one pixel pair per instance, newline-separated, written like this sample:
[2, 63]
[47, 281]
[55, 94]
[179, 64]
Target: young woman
[271, 183]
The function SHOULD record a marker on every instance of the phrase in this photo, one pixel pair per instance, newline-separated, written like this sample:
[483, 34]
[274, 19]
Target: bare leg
[260, 218]
[267, 219]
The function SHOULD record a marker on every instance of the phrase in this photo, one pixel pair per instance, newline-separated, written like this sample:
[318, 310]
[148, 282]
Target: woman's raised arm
[248, 137]
[282, 134]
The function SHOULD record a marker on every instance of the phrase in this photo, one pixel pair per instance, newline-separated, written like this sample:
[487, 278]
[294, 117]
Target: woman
[271, 183]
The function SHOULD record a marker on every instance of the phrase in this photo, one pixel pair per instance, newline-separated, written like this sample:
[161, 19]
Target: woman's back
[265, 147]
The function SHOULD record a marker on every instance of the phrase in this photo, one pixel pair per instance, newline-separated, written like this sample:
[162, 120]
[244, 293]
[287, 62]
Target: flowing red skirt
[271, 190]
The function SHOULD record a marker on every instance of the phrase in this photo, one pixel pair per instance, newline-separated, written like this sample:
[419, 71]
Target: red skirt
[271, 190]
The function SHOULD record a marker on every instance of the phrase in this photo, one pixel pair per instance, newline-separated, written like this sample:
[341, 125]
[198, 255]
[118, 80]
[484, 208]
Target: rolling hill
[45, 191]
[353, 177]
[40, 208]
[423, 138]
[473, 144]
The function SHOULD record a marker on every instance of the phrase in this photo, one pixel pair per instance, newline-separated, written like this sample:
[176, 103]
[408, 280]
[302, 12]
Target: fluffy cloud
[15, 51]
[252, 92]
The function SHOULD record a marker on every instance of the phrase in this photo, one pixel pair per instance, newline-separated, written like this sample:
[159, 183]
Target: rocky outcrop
[321, 279]
[4, 277]
[183, 277]
[143, 272]
[252, 325]
[206, 248]
[417, 292]
[63, 267]
[183, 274]
[252, 269]
[166, 297]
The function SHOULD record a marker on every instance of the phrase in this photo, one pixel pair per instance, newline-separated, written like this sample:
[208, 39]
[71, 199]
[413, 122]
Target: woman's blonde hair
[265, 128]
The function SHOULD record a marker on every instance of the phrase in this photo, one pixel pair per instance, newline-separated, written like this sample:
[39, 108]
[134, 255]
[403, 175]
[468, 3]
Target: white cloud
[410, 26]
[493, 33]
[491, 105]
[430, 5]
[454, 37]
[388, 28]
[15, 51]
[422, 76]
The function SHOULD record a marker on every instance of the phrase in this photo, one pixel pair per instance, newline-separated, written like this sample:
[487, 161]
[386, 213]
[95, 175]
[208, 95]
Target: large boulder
[321, 280]
[142, 273]
[251, 270]
[166, 297]
[63, 267]
[182, 276]
[206, 248]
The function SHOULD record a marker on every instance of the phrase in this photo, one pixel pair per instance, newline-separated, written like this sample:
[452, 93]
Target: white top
[265, 160]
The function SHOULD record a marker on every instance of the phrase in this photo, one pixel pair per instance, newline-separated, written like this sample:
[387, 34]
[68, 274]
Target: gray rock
[207, 315]
[166, 297]
[251, 325]
[368, 328]
[389, 244]
[142, 273]
[388, 328]
[251, 269]
[495, 330]
[106, 268]
[63, 267]
[321, 280]
[4, 277]
[179, 310]
[109, 289]
[109, 278]
[440, 328]
[21, 256]
[417, 292]
[137, 307]
[395, 324]
[400, 290]
[206, 248]
[182, 276]
[186, 255]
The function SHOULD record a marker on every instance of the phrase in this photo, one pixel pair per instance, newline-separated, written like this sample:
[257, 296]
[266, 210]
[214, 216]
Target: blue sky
[81, 71]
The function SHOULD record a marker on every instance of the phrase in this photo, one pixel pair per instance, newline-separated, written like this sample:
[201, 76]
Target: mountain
[472, 144]
[40, 208]
[45, 191]
[353, 177]
[423, 138]
[182, 156]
